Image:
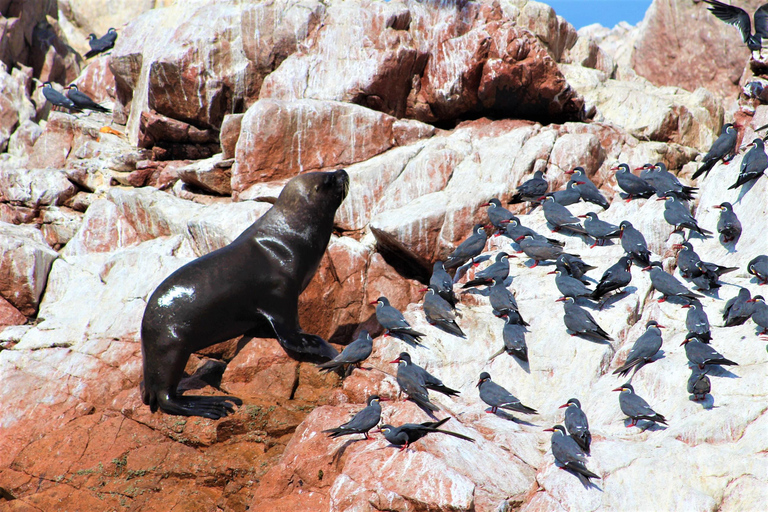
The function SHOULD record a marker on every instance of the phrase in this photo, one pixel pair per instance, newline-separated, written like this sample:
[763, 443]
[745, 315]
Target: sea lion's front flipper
[301, 345]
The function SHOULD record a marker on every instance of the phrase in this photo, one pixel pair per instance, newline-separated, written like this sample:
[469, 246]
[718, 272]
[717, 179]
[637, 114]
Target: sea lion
[248, 287]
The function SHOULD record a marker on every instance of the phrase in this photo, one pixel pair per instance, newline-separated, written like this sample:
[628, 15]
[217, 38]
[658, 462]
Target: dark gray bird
[497, 214]
[678, 215]
[633, 243]
[758, 267]
[739, 18]
[353, 354]
[409, 433]
[577, 424]
[498, 397]
[538, 250]
[697, 323]
[617, 276]
[502, 300]
[699, 384]
[588, 190]
[559, 216]
[441, 281]
[700, 354]
[361, 422]
[738, 309]
[707, 275]
[643, 350]
[531, 190]
[575, 266]
[666, 284]
[440, 313]
[635, 407]
[760, 312]
[665, 183]
[634, 186]
[728, 224]
[722, 148]
[568, 196]
[753, 164]
[599, 229]
[568, 454]
[499, 269]
[687, 258]
[580, 321]
[569, 286]
[414, 381]
[515, 230]
[101, 44]
[469, 249]
[514, 337]
[57, 99]
[395, 323]
[83, 101]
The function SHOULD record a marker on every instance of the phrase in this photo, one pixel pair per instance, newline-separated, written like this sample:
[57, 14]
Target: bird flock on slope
[570, 442]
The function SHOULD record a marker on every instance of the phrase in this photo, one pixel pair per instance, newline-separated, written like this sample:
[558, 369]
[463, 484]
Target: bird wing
[761, 21]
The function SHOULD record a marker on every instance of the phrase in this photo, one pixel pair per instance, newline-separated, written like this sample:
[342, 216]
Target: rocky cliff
[433, 108]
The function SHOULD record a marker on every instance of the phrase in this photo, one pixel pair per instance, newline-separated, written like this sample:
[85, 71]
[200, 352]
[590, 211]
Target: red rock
[230, 133]
[212, 175]
[261, 368]
[54, 144]
[25, 262]
[9, 315]
[97, 80]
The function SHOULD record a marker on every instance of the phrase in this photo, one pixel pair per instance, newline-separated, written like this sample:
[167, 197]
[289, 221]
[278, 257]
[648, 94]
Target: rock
[212, 175]
[553, 30]
[26, 260]
[23, 139]
[36, 187]
[97, 80]
[15, 107]
[9, 315]
[59, 225]
[230, 133]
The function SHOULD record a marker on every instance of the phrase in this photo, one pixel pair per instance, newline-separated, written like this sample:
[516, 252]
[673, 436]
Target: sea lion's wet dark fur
[249, 287]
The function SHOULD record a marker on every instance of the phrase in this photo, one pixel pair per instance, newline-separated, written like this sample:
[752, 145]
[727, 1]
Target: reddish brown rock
[55, 143]
[97, 80]
[212, 175]
[670, 45]
[25, 262]
[9, 315]
[230, 133]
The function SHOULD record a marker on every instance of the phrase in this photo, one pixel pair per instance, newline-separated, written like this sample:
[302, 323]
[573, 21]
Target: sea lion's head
[325, 190]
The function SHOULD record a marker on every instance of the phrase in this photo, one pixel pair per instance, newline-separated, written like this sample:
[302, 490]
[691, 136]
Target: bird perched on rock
[738, 309]
[728, 225]
[665, 183]
[677, 214]
[700, 354]
[498, 397]
[361, 422]
[687, 258]
[414, 381]
[635, 407]
[666, 284]
[579, 321]
[497, 214]
[643, 350]
[442, 283]
[634, 186]
[502, 300]
[697, 323]
[706, 276]
[101, 44]
[514, 337]
[469, 249]
[440, 313]
[739, 18]
[560, 217]
[723, 148]
[698, 384]
[352, 355]
[568, 286]
[575, 266]
[531, 190]
[57, 99]
[577, 424]
[760, 312]
[633, 243]
[499, 269]
[395, 323]
[617, 276]
[568, 454]
[568, 196]
[409, 433]
[538, 250]
[83, 101]
[753, 164]
[515, 230]
[599, 229]
[758, 267]
[588, 190]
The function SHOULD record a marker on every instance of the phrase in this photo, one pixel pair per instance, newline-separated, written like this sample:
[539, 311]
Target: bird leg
[663, 298]
[632, 423]
[536, 262]
[405, 446]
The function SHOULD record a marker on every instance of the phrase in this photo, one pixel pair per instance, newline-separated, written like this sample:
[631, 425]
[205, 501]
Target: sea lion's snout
[343, 179]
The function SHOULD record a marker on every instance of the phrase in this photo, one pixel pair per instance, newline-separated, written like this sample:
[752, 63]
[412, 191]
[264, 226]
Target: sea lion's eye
[317, 187]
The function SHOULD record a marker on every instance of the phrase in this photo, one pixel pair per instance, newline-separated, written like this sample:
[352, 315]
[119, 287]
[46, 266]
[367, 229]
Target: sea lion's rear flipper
[213, 407]
[301, 345]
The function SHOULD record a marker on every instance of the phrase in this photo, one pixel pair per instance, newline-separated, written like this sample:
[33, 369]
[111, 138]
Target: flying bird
[739, 18]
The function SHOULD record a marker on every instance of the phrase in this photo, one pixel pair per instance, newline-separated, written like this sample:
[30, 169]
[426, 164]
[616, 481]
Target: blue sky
[580, 13]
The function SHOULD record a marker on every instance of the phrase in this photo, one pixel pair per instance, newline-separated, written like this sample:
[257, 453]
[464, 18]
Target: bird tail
[704, 169]
[451, 328]
[659, 419]
[329, 366]
[497, 354]
[454, 434]
[408, 335]
[337, 432]
[476, 282]
[724, 361]
[624, 369]
[424, 404]
[600, 332]
[519, 408]
[517, 198]
[440, 388]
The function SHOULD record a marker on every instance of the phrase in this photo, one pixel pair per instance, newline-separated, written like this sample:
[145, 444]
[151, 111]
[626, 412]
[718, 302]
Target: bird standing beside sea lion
[249, 287]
